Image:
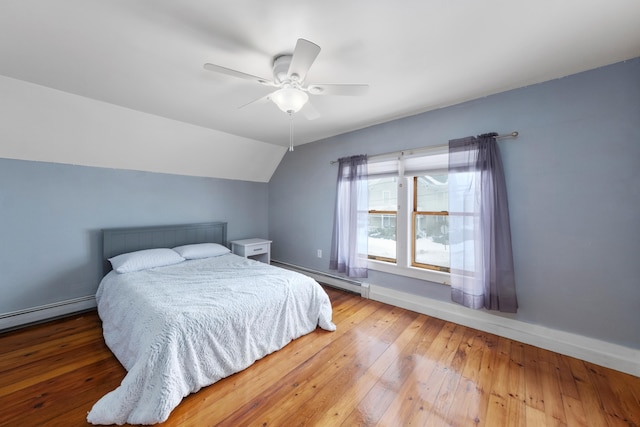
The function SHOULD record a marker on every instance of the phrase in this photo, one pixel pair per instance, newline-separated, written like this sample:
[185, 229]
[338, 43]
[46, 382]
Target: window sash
[381, 257]
[414, 262]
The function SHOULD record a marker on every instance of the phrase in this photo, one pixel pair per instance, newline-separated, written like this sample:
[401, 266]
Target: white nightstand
[258, 249]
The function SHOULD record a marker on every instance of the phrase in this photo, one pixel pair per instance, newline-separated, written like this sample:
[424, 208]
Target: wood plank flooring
[383, 366]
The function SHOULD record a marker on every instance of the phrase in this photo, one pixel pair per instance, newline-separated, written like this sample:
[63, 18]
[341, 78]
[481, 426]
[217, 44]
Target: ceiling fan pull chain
[290, 131]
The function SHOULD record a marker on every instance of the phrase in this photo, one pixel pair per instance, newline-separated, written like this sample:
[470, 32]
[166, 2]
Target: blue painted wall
[573, 180]
[51, 216]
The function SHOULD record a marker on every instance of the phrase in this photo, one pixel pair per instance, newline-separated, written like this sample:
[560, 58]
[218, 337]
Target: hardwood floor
[383, 366]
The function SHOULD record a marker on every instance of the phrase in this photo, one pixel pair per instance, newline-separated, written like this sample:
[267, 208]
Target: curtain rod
[513, 134]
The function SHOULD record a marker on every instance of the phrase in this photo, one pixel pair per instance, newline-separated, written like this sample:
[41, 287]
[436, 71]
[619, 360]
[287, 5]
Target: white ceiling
[416, 55]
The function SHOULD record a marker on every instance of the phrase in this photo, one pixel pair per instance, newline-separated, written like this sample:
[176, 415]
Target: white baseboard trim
[41, 313]
[596, 351]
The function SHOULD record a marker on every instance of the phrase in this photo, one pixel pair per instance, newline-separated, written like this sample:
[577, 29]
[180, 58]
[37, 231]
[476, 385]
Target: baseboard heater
[344, 283]
[31, 315]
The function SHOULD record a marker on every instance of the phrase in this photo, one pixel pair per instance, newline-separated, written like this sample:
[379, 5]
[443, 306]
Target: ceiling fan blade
[261, 100]
[310, 111]
[304, 54]
[344, 90]
[238, 74]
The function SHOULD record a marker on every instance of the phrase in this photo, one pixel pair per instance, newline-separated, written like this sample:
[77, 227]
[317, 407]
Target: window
[383, 212]
[408, 214]
[431, 222]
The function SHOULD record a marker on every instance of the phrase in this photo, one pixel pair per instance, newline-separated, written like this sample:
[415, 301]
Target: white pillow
[201, 250]
[147, 258]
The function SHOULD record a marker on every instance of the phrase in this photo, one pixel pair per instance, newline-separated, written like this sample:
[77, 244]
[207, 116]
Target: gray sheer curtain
[349, 241]
[482, 274]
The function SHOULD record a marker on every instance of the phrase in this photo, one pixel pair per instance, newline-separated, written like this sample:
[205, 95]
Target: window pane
[382, 235]
[432, 193]
[432, 240]
[383, 194]
[383, 205]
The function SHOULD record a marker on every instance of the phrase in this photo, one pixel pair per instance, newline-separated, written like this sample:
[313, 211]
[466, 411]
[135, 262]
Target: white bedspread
[182, 327]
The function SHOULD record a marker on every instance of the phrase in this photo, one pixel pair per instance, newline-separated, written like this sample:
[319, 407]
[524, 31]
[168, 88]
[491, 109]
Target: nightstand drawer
[257, 249]
[248, 250]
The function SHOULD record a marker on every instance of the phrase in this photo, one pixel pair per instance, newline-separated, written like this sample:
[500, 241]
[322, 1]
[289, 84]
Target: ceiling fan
[289, 74]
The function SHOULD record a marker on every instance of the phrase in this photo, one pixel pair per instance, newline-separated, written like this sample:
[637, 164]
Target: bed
[185, 325]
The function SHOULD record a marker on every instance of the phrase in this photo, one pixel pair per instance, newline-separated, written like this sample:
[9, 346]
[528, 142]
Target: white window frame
[404, 239]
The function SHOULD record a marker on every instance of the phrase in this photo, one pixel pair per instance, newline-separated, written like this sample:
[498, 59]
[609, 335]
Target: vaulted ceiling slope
[147, 56]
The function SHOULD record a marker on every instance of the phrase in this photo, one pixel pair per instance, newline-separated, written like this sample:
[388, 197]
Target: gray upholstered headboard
[116, 241]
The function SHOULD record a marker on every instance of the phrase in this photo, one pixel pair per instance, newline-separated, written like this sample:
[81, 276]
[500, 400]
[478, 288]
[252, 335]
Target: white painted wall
[42, 124]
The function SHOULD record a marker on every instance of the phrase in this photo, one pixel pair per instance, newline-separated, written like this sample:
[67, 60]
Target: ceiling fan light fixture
[289, 99]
